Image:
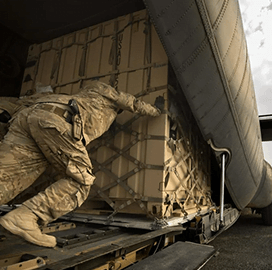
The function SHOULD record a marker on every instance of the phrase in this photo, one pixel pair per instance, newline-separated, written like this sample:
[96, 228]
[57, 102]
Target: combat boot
[23, 222]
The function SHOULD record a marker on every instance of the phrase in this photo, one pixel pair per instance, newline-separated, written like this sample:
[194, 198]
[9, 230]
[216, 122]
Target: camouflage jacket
[9, 104]
[98, 105]
[13, 105]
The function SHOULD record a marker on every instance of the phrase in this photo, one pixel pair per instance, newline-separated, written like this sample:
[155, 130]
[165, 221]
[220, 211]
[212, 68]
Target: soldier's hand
[159, 103]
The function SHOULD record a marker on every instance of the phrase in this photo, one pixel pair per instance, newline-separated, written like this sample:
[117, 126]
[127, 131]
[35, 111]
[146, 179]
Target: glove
[159, 103]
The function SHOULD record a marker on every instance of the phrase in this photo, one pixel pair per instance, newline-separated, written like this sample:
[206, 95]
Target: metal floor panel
[84, 244]
[13, 245]
[181, 255]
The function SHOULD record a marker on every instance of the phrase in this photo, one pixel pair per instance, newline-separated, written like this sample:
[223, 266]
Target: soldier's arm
[128, 102]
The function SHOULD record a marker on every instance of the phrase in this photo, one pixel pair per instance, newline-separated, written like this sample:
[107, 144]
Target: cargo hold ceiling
[41, 20]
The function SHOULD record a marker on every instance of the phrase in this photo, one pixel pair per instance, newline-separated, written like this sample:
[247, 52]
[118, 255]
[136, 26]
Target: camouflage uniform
[12, 105]
[39, 136]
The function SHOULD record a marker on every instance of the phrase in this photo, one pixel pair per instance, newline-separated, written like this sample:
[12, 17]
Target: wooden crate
[153, 166]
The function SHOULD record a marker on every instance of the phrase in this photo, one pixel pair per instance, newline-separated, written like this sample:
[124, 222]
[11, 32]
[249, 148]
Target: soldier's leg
[21, 163]
[54, 138]
[58, 199]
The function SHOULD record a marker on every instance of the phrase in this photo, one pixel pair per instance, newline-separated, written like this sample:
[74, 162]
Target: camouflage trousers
[35, 140]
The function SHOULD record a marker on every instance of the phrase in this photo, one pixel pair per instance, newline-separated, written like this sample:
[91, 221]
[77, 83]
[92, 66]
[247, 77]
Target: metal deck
[82, 246]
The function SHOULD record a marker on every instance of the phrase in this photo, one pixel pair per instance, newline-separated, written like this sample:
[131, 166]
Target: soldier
[55, 130]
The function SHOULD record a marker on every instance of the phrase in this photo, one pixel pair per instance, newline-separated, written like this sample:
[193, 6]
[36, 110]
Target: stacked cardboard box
[152, 166]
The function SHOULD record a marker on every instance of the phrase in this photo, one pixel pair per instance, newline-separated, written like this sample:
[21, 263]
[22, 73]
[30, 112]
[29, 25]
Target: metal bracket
[86, 237]
[55, 227]
[25, 261]
[221, 150]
